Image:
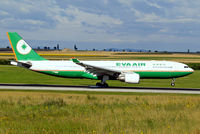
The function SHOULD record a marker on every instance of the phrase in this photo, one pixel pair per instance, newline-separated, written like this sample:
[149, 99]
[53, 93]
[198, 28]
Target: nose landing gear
[173, 82]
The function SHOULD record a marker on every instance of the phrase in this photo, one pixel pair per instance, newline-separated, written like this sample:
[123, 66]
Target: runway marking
[123, 90]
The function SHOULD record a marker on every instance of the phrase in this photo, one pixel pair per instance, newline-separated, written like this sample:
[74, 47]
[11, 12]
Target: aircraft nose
[191, 70]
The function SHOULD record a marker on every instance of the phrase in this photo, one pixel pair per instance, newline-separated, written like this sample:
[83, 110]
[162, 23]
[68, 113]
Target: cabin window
[186, 67]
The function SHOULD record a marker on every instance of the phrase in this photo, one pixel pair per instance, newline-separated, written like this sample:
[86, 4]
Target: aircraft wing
[99, 71]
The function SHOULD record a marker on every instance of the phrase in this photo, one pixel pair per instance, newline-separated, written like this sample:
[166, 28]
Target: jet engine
[129, 77]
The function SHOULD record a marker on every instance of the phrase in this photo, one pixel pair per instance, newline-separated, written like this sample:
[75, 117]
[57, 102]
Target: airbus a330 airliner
[126, 71]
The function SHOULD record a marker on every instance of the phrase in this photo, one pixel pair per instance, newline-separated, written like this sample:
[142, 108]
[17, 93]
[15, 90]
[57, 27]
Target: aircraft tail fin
[21, 50]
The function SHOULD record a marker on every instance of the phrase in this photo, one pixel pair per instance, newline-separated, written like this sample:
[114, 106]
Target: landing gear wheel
[172, 84]
[98, 84]
[105, 85]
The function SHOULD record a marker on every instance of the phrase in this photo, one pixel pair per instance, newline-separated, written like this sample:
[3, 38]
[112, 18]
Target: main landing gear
[173, 82]
[103, 82]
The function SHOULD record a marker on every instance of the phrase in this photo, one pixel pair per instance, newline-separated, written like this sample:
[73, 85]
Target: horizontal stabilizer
[21, 64]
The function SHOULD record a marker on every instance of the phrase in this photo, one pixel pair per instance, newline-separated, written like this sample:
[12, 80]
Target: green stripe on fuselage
[82, 74]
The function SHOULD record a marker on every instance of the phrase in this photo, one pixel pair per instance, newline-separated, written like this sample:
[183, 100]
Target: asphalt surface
[98, 89]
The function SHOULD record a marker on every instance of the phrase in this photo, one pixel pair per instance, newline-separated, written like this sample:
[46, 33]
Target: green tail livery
[22, 51]
[126, 71]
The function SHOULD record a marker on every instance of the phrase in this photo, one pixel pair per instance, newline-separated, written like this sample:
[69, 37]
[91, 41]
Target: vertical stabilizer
[21, 50]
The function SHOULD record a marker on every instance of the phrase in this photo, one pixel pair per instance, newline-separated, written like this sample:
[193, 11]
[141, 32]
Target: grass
[12, 74]
[41, 112]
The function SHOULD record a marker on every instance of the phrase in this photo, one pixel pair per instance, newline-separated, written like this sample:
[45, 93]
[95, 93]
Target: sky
[171, 25]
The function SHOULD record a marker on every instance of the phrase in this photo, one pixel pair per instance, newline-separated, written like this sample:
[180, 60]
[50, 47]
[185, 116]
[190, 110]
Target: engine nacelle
[129, 77]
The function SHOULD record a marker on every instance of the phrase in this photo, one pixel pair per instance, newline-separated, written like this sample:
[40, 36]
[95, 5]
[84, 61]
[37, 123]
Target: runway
[97, 89]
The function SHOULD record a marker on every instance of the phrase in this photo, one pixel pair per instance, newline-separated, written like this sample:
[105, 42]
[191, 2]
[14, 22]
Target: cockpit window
[186, 67]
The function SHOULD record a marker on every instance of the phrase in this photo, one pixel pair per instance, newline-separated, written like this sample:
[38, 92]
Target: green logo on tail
[23, 47]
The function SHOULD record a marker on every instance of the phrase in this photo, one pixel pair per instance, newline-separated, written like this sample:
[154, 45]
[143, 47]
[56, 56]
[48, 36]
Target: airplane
[126, 71]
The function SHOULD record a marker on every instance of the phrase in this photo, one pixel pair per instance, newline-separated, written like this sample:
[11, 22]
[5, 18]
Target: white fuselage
[145, 69]
[120, 66]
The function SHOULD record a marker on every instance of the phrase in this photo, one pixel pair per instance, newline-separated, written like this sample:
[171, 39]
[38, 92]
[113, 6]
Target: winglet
[75, 60]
